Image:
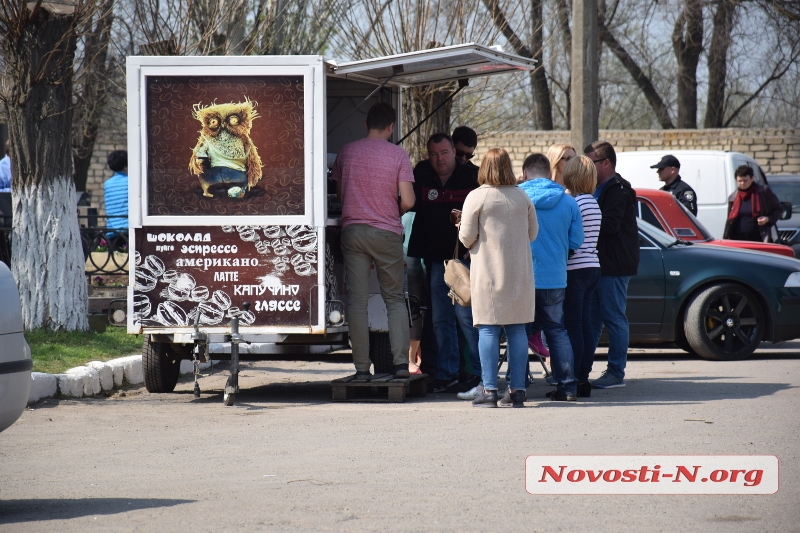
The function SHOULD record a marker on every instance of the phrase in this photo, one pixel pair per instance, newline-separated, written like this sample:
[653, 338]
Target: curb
[93, 378]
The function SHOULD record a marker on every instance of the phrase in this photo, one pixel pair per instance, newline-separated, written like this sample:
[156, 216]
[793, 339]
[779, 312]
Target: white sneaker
[469, 395]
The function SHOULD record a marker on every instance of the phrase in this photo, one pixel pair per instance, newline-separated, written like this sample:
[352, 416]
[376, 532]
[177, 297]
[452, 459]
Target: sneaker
[551, 380]
[468, 383]
[559, 396]
[584, 390]
[362, 375]
[513, 399]
[445, 385]
[401, 371]
[536, 344]
[608, 381]
[468, 395]
[485, 398]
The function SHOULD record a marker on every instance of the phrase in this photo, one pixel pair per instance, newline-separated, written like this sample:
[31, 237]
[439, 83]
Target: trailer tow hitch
[232, 385]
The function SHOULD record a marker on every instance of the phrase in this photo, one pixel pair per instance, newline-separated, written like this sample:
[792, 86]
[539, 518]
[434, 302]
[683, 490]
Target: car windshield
[656, 234]
[703, 231]
[787, 191]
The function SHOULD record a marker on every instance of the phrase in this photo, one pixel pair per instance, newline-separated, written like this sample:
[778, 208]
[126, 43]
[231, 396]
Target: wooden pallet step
[382, 387]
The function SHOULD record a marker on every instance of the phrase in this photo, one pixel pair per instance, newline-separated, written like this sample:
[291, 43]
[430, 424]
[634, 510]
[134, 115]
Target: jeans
[362, 245]
[581, 287]
[608, 308]
[490, 355]
[445, 317]
[550, 319]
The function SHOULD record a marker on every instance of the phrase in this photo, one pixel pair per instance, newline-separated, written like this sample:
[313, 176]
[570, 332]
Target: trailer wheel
[380, 352]
[161, 366]
[228, 398]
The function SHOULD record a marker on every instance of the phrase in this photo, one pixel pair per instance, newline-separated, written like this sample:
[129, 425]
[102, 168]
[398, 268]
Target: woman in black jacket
[753, 209]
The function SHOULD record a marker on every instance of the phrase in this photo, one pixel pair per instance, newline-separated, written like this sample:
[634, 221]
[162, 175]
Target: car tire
[380, 352]
[682, 342]
[160, 365]
[724, 323]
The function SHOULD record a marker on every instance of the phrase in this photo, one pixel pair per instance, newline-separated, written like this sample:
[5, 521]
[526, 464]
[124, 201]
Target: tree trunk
[91, 100]
[541, 92]
[687, 42]
[47, 259]
[718, 63]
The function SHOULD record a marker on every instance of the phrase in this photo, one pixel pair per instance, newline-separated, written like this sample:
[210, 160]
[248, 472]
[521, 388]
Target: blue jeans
[581, 287]
[445, 317]
[550, 319]
[608, 309]
[490, 355]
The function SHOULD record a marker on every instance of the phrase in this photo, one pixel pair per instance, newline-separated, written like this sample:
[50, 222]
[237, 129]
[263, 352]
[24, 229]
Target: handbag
[456, 277]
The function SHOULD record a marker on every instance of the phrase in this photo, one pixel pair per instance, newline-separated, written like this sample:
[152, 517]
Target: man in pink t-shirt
[374, 180]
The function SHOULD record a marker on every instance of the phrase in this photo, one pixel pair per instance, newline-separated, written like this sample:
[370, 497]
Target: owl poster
[225, 145]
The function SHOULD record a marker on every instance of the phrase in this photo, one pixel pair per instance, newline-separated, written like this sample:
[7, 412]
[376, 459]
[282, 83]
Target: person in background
[116, 193]
[5, 169]
[618, 251]
[441, 184]
[561, 230]
[465, 140]
[374, 181]
[583, 271]
[559, 155]
[416, 287]
[669, 169]
[497, 225]
[753, 209]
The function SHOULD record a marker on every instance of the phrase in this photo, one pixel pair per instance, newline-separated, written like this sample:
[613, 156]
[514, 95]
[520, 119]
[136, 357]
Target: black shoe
[558, 396]
[362, 375]
[445, 385]
[513, 399]
[485, 398]
[468, 383]
[401, 371]
[584, 390]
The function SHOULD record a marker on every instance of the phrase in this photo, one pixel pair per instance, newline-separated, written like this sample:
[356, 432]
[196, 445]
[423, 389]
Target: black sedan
[717, 302]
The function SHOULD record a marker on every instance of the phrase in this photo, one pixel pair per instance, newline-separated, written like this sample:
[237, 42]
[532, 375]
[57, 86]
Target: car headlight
[793, 280]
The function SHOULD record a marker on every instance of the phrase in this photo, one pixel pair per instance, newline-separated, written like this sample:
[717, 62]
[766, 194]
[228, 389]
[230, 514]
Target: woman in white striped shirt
[583, 270]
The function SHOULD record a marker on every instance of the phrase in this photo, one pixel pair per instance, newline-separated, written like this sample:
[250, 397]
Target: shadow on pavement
[32, 510]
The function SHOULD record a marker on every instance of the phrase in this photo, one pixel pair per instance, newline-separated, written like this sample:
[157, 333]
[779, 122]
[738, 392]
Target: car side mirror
[786, 210]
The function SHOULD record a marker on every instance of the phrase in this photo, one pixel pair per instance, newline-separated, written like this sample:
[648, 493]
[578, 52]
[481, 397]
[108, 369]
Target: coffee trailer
[231, 217]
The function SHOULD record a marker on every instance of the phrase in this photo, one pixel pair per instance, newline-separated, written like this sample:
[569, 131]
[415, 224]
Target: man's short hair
[744, 170]
[537, 164]
[465, 136]
[117, 160]
[381, 116]
[436, 138]
[604, 150]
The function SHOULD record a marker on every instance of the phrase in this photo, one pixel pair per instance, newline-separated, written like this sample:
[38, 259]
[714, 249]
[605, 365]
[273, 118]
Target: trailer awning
[437, 65]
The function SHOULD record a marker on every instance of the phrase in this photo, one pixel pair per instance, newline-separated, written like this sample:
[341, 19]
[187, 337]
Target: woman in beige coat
[498, 223]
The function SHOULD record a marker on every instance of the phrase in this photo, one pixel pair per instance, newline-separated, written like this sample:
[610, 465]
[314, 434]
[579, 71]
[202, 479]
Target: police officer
[668, 170]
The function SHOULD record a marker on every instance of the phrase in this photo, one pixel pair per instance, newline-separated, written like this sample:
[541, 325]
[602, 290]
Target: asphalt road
[286, 458]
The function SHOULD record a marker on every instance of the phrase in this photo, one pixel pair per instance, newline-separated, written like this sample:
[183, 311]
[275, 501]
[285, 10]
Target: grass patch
[56, 351]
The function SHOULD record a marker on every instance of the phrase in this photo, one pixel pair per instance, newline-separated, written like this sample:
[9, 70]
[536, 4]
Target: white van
[709, 172]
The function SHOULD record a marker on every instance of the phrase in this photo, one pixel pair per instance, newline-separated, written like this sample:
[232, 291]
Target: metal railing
[105, 250]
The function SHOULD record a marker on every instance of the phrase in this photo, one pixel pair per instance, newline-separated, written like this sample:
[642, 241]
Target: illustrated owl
[224, 153]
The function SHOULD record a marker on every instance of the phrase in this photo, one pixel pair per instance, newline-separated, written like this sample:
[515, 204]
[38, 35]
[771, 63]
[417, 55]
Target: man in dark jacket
[441, 184]
[618, 251]
[753, 209]
[668, 170]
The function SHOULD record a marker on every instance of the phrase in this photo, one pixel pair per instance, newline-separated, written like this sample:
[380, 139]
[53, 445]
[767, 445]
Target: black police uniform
[683, 193]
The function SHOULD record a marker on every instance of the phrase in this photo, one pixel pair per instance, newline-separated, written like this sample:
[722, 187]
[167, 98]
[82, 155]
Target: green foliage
[56, 351]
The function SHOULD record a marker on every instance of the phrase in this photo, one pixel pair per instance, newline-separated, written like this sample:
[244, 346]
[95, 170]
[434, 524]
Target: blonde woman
[498, 224]
[583, 271]
[559, 155]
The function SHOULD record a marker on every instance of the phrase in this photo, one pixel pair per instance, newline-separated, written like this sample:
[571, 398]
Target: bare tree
[38, 43]
[687, 41]
[718, 62]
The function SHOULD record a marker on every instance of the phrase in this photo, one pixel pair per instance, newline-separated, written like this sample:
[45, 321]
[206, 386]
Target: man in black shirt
[441, 184]
[668, 170]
